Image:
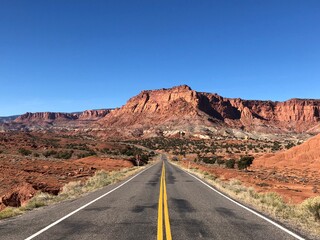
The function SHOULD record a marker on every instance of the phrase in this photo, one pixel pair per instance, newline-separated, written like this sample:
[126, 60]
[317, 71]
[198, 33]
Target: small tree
[24, 151]
[230, 163]
[245, 162]
[220, 161]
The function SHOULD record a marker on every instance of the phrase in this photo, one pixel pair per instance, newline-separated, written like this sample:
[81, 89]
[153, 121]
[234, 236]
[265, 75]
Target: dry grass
[72, 190]
[9, 212]
[304, 217]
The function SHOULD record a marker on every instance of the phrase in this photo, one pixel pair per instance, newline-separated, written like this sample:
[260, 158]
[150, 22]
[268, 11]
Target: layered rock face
[47, 117]
[158, 110]
[181, 109]
[183, 106]
[94, 114]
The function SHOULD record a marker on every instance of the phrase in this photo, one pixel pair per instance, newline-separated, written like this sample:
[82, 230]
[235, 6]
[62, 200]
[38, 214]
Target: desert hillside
[304, 156]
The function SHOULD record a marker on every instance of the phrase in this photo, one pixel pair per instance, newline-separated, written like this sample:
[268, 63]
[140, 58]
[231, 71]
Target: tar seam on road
[248, 209]
[84, 206]
[163, 208]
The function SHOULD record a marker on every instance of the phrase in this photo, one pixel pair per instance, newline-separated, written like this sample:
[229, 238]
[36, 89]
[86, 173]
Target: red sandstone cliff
[49, 117]
[183, 109]
[45, 116]
[183, 106]
[94, 114]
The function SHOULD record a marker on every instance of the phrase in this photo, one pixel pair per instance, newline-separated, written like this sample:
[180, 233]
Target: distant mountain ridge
[39, 117]
[170, 112]
[8, 118]
[183, 109]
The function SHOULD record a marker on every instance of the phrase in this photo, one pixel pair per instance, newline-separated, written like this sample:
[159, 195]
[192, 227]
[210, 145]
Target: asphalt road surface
[135, 209]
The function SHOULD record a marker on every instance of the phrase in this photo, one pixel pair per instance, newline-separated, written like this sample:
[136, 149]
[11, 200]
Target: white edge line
[248, 209]
[84, 206]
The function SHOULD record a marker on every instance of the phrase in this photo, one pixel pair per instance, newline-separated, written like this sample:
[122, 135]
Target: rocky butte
[181, 109]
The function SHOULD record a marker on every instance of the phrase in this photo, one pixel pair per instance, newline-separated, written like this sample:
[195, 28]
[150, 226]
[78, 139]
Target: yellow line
[166, 210]
[163, 208]
[160, 208]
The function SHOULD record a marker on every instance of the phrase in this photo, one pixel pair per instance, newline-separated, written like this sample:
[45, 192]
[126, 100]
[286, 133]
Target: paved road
[131, 212]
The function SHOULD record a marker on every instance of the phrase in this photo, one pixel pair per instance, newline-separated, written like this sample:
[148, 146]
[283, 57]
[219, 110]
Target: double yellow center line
[163, 211]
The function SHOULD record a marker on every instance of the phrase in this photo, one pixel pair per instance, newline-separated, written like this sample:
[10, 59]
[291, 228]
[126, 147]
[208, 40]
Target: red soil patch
[21, 178]
[293, 188]
[104, 163]
[303, 157]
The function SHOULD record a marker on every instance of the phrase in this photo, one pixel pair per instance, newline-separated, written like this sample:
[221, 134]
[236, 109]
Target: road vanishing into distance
[162, 202]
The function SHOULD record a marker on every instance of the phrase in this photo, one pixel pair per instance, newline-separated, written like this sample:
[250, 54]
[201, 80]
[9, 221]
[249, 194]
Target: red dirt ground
[21, 177]
[293, 188]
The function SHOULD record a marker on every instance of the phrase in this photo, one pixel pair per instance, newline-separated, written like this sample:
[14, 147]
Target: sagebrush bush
[312, 206]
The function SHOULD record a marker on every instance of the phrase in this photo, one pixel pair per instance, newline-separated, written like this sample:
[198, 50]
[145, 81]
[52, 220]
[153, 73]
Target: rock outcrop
[45, 117]
[181, 107]
[50, 117]
[94, 114]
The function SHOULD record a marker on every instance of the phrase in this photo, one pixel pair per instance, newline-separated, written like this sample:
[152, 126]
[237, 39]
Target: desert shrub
[49, 153]
[312, 206]
[87, 154]
[245, 162]
[100, 179]
[72, 189]
[39, 200]
[230, 163]
[144, 158]
[273, 200]
[290, 145]
[24, 152]
[78, 146]
[220, 161]
[152, 153]
[59, 155]
[276, 146]
[36, 155]
[131, 151]
[64, 154]
[209, 160]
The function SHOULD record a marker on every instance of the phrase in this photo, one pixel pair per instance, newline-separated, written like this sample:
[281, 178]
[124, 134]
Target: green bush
[220, 161]
[230, 163]
[64, 154]
[245, 162]
[24, 152]
[209, 160]
[60, 155]
[49, 153]
[87, 154]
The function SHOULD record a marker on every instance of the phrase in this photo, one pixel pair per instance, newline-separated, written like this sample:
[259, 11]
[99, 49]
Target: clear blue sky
[71, 55]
